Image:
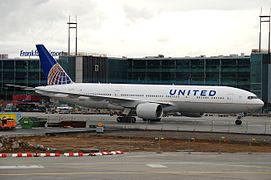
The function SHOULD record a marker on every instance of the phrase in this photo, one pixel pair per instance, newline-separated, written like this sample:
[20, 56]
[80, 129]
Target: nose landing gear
[238, 121]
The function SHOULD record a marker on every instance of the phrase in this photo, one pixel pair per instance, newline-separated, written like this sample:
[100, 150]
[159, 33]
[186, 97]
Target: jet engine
[149, 111]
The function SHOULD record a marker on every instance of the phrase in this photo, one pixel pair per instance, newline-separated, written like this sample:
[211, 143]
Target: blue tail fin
[54, 73]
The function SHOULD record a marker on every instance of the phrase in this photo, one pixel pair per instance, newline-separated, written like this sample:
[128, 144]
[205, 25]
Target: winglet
[54, 73]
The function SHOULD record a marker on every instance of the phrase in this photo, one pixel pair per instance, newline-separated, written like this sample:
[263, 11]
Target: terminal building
[223, 70]
[251, 73]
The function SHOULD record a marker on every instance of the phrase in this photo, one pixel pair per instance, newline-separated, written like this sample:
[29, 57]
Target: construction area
[79, 133]
[131, 141]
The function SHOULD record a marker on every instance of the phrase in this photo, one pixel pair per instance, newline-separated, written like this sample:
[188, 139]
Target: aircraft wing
[119, 101]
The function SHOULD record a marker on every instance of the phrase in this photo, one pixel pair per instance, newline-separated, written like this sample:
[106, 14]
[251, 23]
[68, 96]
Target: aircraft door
[117, 93]
[229, 98]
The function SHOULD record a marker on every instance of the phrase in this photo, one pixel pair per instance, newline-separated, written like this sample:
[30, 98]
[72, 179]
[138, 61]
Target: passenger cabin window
[252, 97]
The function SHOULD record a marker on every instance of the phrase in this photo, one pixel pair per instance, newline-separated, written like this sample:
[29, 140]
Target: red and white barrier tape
[3, 155]
[100, 153]
[106, 153]
[70, 154]
[21, 155]
[47, 155]
[117, 152]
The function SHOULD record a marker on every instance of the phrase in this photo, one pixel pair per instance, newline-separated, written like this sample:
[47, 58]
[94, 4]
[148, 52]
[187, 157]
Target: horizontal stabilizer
[27, 88]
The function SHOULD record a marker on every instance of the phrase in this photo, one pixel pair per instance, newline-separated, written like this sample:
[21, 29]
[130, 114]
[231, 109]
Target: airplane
[148, 102]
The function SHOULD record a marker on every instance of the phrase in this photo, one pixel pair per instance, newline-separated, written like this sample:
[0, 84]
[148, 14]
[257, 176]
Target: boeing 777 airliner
[149, 102]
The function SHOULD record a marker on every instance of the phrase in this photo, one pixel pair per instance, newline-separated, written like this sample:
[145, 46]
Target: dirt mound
[75, 143]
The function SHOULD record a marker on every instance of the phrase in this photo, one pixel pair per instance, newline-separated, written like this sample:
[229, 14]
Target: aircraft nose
[255, 105]
[261, 103]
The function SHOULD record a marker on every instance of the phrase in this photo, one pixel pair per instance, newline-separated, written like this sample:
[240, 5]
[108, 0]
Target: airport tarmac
[178, 165]
[251, 124]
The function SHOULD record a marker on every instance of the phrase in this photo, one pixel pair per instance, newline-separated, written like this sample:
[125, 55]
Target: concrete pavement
[142, 165]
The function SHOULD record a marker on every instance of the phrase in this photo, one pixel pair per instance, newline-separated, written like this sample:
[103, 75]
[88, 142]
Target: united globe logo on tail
[57, 76]
[54, 73]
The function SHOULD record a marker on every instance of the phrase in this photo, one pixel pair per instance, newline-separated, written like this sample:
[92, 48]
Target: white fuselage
[174, 98]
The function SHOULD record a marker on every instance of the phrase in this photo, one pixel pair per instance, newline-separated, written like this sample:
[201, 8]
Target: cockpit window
[252, 97]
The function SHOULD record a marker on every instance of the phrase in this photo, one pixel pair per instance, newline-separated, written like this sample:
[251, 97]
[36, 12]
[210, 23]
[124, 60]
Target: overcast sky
[134, 28]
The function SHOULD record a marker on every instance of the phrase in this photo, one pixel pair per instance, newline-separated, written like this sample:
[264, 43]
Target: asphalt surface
[205, 128]
[177, 165]
[42, 131]
[251, 125]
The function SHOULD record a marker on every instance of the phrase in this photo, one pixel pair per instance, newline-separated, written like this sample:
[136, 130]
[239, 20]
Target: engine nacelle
[149, 111]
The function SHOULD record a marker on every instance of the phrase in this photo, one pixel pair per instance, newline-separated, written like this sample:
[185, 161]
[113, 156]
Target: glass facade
[116, 71]
[25, 72]
[94, 69]
[228, 71]
[20, 72]
[68, 64]
[256, 74]
[261, 77]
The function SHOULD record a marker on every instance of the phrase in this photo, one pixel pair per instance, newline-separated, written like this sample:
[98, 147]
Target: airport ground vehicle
[7, 123]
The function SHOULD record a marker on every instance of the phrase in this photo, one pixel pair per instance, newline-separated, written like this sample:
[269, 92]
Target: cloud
[133, 28]
[191, 5]
[25, 23]
[134, 13]
[11, 6]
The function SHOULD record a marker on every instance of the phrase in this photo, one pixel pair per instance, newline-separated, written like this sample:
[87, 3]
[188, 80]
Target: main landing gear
[152, 120]
[238, 121]
[129, 119]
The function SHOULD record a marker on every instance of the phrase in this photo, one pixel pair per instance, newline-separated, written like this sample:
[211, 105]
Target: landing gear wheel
[238, 122]
[128, 119]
